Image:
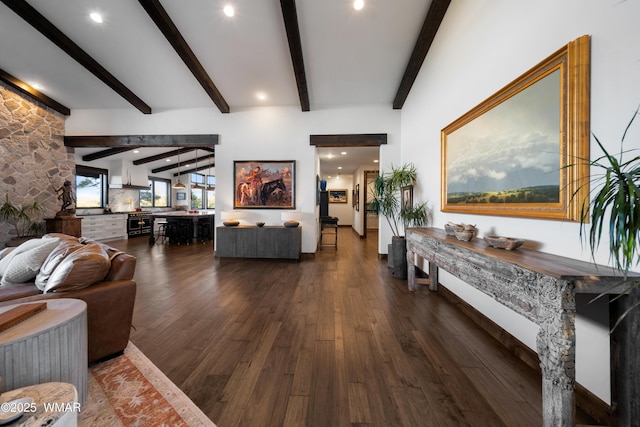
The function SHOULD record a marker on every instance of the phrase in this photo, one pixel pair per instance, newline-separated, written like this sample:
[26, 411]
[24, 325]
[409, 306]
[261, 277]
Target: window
[91, 187]
[211, 199]
[158, 196]
[205, 196]
[211, 192]
[197, 178]
[196, 198]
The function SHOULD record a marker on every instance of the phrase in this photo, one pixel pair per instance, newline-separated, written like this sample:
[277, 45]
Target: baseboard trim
[591, 404]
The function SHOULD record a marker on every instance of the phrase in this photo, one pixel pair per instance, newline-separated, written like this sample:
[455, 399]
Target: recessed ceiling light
[375, 161]
[136, 151]
[168, 160]
[229, 11]
[96, 17]
[261, 96]
[339, 167]
[358, 4]
[343, 153]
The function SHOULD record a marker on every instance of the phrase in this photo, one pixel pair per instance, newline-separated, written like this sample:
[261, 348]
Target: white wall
[268, 133]
[483, 45]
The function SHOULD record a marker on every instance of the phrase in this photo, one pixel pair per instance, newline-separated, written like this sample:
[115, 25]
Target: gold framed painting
[338, 196]
[521, 151]
[264, 184]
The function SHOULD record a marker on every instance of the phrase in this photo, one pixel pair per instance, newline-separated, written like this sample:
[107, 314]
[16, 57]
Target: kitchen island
[200, 222]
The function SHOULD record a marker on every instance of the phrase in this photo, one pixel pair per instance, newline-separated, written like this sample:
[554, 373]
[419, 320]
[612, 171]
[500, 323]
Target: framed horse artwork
[264, 184]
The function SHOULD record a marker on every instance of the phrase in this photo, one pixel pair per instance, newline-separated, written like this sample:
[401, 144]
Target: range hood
[124, 174]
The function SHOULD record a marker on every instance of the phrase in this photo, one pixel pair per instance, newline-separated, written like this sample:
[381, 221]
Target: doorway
[342, 168]
[370, 213]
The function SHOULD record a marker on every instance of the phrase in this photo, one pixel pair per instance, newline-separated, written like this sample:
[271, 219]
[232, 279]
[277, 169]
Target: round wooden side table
[50, 346]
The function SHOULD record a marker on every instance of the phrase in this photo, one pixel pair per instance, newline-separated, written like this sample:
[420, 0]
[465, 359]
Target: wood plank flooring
[333, 340]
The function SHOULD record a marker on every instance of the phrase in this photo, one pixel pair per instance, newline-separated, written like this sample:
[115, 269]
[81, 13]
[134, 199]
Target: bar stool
[181, 231]
[204, 229]
[328, 227]
[162, 230]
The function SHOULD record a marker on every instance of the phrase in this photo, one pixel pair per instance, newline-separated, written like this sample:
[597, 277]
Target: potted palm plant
[26, 220]
[615, 206]
[387, 202]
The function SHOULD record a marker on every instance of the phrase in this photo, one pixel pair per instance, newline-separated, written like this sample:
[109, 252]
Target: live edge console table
[542, 288]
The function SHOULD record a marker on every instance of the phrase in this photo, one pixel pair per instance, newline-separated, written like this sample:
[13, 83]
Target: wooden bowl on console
[507, 243]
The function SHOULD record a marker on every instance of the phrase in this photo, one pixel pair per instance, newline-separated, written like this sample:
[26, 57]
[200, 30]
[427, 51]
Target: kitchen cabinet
[104, 227]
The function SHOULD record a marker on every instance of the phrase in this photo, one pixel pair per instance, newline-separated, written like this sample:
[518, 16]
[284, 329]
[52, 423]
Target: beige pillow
[24, 265]
[26, 246]
[64, 249]
[80, 269]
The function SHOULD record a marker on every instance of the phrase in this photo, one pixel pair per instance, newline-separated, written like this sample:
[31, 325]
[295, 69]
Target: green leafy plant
[615, 205]
[26, 219]
[386, 200]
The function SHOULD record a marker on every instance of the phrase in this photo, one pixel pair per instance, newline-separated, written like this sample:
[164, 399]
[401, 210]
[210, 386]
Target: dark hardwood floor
[333, 340]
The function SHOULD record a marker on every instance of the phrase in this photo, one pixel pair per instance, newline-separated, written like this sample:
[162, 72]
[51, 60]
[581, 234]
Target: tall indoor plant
[387, 201]
[615, 206]
[26, 219]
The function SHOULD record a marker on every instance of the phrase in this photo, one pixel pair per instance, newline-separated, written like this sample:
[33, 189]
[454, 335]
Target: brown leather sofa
[110, 304]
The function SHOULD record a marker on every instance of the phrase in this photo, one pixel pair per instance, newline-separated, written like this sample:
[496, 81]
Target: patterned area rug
[130, 391]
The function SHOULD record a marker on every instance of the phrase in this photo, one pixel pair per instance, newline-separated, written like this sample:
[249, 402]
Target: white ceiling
[350, 57]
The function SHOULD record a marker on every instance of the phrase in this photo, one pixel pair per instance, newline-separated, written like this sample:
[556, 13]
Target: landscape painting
[511, 155]
[337, 196]
[264, 184]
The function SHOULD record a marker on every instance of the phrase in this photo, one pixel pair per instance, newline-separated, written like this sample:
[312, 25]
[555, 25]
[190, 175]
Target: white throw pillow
[24, 265]
[28, 245]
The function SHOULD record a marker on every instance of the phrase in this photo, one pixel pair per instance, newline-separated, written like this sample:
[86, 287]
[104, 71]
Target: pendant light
[210, 187]
[179, 184]
[196, 186]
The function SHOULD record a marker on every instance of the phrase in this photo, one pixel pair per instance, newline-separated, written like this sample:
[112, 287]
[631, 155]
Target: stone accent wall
[33, 158]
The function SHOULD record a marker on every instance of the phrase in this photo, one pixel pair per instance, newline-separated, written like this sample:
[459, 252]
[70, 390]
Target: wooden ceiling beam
[166, 26]
[33, 93]
[166, 155]
[349, 140]
[106, 153]
[432, 22]
[196, 141]
[192, 170]
[169, 154]
[50, 31]
[185, 163]
[290, 17]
